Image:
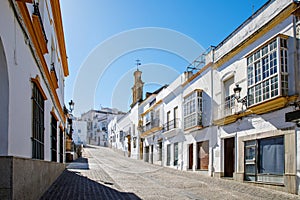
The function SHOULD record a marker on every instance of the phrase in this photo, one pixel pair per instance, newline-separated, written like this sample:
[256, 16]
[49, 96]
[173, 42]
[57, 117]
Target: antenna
[137, 64]
[252, 9]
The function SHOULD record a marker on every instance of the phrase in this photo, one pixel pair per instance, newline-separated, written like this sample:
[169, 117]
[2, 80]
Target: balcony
[170, 125]
[39, 29]
[225, 114]
[54, 76]
[150, 127]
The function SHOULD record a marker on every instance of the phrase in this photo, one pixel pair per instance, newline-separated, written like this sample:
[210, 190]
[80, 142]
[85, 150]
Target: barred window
[53, 139]
[268, 72]
[176, 154]
[61, 146]
[37, 123]
[192, 110]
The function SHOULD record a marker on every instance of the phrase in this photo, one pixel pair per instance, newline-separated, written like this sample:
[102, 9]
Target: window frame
[168, 160]
[256, 161]
[267, 71]
[176, 153]
[38, 120]
[53, 125]
[61, 145]
[193, 109]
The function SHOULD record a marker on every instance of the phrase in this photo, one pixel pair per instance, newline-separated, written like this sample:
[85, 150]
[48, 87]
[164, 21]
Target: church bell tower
[137, 89]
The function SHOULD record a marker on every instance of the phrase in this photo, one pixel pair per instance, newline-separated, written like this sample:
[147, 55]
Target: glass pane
[265, 67]
[264, 50]
[271, 156]
[257, 72]
[250, 60]
[175, 154]
[250, 169]
[250, 96]
[266, 89]
[274, 86]
[250, 153]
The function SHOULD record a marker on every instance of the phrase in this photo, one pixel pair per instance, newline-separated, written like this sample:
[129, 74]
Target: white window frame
[192, 109]
[268, 81]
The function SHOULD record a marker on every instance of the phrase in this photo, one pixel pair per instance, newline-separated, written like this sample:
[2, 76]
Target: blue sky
[89, 24]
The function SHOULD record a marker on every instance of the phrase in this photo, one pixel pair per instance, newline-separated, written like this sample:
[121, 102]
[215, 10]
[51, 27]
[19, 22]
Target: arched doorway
[4, 102]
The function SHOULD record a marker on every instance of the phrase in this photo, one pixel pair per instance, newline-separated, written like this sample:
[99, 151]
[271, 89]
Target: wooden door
[141, 149]
[129, 145]
[229, 156]
[191, 156]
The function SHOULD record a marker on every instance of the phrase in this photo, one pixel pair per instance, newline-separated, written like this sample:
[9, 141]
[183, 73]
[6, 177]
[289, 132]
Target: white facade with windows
[80, 132]
[228, 119]
[255, 144]
[32, 89]
[97, 125]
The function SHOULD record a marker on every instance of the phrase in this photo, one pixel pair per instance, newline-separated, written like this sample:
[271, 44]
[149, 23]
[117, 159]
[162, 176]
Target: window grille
[37, 123]
[53, 139]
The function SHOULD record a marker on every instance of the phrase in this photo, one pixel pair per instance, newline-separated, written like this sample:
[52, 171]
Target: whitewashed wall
[21, 67]
[80, 132]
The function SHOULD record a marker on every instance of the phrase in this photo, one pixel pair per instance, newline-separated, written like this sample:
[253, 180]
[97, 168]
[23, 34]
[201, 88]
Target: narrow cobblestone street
[105, 174]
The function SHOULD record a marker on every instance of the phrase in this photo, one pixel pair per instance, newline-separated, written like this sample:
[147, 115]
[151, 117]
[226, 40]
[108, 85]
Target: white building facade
[261, 60]
[229, 118]
[80, 132]
[97, 125]
[33, 65]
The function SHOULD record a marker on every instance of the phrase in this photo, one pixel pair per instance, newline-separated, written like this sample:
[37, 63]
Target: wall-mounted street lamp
[237, 91]
[71, 106]
[70, 118]
[241, 103]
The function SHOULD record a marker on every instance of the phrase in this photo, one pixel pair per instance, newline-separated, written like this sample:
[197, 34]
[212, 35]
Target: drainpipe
[211, 105]
[236, 148]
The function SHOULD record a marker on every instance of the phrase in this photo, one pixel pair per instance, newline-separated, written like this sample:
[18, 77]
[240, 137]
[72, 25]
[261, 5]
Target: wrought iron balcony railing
[150, 125]
[36, 12]
[170, 125]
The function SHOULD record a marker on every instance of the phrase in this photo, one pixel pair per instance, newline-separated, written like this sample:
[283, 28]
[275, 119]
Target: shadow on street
[71, 185]
[80, 163]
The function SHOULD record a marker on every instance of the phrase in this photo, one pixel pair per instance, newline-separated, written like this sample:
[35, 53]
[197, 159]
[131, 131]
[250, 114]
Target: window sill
[193, 128]
[265, 183]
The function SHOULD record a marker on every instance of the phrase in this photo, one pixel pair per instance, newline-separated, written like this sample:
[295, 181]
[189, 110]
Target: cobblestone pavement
[109, 175]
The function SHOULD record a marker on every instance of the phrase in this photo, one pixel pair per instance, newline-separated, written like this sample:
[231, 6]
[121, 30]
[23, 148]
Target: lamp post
[69, 156]
[70, 119]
